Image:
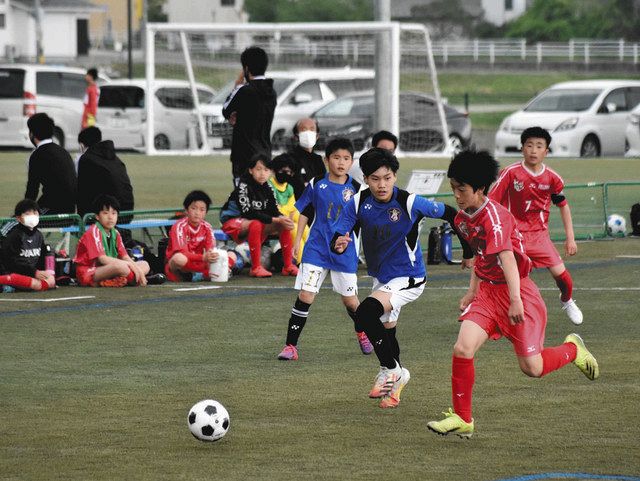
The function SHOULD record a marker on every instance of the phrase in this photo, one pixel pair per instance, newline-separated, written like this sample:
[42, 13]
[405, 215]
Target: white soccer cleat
[573, 311]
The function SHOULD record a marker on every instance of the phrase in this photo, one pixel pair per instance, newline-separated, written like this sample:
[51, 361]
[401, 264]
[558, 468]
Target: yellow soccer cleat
[584, 359]
[452, 424]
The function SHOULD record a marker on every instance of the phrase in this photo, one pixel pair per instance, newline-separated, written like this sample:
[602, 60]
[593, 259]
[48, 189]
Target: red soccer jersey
[490, 230]
[527, 195]
[187, 239]
[90, 247]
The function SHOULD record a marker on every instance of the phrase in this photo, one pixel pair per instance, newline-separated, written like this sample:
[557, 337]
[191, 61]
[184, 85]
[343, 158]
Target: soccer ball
[616, 225]
[208, 420]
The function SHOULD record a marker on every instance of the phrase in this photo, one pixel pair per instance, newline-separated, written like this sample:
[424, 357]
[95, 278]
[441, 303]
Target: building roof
[79, 6]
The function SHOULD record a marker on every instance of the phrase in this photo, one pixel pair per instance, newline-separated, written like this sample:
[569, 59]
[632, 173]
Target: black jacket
[251, 200]
[100, 171]
[23, 251]
[52, 167]
[254, 104]
[308, 165]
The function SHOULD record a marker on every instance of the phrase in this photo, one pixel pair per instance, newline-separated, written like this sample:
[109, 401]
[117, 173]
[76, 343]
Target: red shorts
[490, 308]
[233, 228]
[85, 275]
[540, 249]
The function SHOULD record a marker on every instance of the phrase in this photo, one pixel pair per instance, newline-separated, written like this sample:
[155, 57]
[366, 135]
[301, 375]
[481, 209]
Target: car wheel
[161, 142]
[58, 136]
[455, 142]
[590, 147]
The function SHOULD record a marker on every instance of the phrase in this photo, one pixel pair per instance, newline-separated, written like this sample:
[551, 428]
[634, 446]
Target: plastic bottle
[49, 260]
[433, 250]
[219, 270]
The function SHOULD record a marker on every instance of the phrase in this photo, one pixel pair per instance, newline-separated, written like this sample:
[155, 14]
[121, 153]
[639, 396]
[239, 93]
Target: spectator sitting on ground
[52, 167]
[251, 214]
[100, 171]
[101, 258]
[23, 252]
[308, 163]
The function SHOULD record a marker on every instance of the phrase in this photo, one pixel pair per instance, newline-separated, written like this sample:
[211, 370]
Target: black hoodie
[100, 171]
[251, 200]
[23, 251]
[254, 104]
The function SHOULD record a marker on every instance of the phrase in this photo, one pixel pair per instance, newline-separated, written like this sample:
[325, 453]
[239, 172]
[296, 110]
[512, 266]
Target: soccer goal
[354, 78]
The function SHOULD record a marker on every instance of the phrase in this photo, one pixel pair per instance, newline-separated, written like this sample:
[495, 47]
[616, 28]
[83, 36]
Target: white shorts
[310, 278]
[403, 290]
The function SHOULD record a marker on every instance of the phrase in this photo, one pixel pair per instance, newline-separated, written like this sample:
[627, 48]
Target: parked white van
[585, 118]
[26, 89]
[299, 94]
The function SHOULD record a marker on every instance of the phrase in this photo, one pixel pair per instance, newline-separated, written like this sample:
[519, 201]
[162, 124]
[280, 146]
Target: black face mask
[283, 177]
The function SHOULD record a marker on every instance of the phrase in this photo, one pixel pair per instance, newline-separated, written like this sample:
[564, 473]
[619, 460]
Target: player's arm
[33, 180]
[512, 276]
[346, 223]
[570, 246]
[474, 283]
[302, 223]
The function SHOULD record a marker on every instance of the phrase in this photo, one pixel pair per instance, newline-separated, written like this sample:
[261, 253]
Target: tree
[309, 10]
[155, 12]
[446, 18]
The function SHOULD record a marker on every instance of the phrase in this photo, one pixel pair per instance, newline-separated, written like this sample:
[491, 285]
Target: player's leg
[459, 420]
[286, 244]
[346, 284]
[565, 284]
[308, 282]
[255, 233]
[116, 272]
[20, 281]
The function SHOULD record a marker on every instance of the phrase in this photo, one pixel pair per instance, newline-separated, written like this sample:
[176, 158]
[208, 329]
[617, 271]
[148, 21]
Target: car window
[73, 85]
[417, 109]
[61, 84]
[348, 107]
[563, 100]
[175, 97]
[310, 87]
[11, 83]
[633, 97]
[618, 98]
[279, 85]
[343, 87]
[121, 96]
[205, 96]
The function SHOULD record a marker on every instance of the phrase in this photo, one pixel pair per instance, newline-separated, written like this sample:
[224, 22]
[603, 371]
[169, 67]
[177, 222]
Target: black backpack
[634, 216]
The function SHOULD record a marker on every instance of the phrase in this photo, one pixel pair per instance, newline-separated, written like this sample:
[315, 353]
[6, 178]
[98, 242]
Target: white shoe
[573, 311]
[384, 381]
[392, 399]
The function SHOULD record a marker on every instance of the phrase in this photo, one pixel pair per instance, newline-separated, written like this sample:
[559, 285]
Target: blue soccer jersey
[390, 231]
[328, 200]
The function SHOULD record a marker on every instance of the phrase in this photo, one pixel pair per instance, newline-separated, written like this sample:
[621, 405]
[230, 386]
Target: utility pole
[382, 13]
[129, 41]
[38, 14]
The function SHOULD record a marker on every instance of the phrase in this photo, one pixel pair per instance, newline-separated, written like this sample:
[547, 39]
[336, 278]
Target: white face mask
[307, 139]
[31, 220]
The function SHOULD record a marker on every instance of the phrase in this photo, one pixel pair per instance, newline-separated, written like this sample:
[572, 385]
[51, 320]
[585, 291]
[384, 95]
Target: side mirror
[301, 99]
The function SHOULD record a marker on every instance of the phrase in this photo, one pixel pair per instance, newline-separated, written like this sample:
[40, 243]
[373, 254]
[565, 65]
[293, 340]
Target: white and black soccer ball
[616, 225]
[208, 420]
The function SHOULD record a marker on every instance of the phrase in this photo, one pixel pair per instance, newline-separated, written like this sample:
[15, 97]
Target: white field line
[200, 288]
[56, 299]
[629, 257]
[444, 288]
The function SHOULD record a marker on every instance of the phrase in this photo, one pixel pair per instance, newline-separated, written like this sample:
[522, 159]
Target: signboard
[426, 182]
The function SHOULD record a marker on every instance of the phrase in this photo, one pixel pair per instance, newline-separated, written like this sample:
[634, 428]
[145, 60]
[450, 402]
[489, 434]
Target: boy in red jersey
[90, 101]
[191, 247]
[101, 259]
[502, 300]
[527, 189]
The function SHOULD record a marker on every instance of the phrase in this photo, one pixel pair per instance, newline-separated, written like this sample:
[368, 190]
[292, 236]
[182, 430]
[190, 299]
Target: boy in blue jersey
[324, 199]
[389, 220]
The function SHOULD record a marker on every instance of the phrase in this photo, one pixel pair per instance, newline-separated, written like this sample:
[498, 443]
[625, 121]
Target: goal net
[354, 78]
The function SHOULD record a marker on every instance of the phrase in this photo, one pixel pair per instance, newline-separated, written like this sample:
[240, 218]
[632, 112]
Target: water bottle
[434, 251]
[446, 242]
[219, 269]
[49, 260]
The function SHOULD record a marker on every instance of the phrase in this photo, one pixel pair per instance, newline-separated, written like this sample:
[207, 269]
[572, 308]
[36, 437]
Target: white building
[206, 11]
[497, 12]
[65, 28]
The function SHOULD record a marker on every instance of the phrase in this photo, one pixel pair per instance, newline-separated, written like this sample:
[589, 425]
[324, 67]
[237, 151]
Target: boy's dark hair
[255, 59]
[535, 132]
[93, 72]
[90, 136]
[295, 127]
[477, 169]
[25, 205]
[384, 135]
[337, 144]
[375, 158]
[260, 156]
[41, 126]
[105, 201]
[281, 161]
[194, 196]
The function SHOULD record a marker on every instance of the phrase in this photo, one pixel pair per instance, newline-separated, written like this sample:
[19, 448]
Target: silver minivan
[26, 89]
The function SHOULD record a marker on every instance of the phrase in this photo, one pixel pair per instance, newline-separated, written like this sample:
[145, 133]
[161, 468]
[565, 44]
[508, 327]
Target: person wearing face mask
[100, 171]
[24, 250]
[283, 171]
[308, 163]
[249, 109]
[50, 166]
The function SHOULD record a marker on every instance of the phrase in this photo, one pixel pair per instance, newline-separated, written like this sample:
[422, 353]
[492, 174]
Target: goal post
[327, 61]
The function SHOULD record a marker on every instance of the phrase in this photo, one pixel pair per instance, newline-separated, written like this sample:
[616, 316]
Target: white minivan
[122, 113]
[586, 118]
[26, 89]
[299, 94]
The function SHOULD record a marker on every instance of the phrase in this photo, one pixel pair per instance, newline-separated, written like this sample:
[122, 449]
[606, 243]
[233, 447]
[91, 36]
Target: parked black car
[352, 116]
